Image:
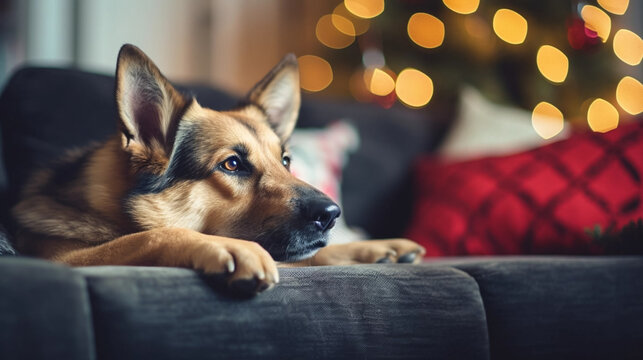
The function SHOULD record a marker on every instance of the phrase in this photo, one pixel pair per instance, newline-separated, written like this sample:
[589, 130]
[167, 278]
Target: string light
[414, 88]
[510, 26]
[328, 34]
[462, 6]
[365, 8]
[315, 73]
[360, 25]
[552, 63]
[602, 116]
[378, 82]
[629, 95]
[628, 47]
[617, 7]
[426, 30]
[547, 120]
[597, 21]
[342, 24]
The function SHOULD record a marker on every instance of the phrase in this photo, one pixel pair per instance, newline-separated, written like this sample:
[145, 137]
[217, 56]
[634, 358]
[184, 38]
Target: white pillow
[483, 128]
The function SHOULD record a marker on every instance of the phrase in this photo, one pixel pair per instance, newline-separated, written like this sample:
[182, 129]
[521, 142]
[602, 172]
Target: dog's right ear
[149, 108]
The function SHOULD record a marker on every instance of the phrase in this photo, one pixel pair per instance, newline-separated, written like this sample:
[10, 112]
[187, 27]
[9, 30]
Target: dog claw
[230, 266]
[407, 258]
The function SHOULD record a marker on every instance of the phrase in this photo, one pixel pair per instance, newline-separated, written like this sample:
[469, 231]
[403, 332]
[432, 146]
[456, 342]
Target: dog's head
[223, 173]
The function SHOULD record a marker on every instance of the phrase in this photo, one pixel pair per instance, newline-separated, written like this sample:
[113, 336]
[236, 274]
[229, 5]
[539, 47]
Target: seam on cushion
[90, 316]
[484, 307]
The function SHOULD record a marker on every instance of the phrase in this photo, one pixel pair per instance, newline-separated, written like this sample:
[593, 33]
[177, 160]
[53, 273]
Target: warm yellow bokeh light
[618, 7]
[602, 116]
[342, 24]
[629, 95]
[360, 25]
[414, 88]
[378, 82]
[426, 30]
[547, 120]
[552, 63]
[365, 8]
[628, 47]
[510, 26]
[328, 34]
[597, 20]
[315, 73]
[462, 6]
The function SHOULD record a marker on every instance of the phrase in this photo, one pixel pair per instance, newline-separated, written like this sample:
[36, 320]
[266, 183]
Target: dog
[181, 185]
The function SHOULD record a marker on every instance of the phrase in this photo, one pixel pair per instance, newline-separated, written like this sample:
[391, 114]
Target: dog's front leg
[247, 266]
[365, 252]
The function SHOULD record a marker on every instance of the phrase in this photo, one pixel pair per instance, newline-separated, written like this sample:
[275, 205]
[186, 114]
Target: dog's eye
[232, 163]
[285, 161]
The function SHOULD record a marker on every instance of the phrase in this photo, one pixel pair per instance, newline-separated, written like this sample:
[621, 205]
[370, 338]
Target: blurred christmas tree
[570, 54]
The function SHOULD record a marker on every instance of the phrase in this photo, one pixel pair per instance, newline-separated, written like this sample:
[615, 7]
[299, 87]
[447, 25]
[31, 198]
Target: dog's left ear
[278, 95]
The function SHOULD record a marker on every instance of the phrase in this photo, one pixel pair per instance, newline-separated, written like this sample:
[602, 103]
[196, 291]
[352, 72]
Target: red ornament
[580, 37]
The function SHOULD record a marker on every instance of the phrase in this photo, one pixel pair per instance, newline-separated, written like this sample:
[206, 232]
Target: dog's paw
[371, 251]
[245, 265]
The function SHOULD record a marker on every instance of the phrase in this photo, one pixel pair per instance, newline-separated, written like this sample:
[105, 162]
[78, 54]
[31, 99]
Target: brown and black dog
[180, 185]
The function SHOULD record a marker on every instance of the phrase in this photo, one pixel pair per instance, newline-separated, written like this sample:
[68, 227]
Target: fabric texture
[355, 312]
[537, 202]
[561, 308]
[44, 312]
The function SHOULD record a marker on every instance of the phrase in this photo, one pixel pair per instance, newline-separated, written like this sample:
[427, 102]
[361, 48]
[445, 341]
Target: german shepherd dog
[180, 185]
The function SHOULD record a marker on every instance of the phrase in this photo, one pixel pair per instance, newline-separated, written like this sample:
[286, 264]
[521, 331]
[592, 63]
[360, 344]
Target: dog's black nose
[323, 213]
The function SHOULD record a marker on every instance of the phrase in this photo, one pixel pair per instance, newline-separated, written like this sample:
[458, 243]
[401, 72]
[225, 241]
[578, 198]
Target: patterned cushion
[318, 158]
[536, 202]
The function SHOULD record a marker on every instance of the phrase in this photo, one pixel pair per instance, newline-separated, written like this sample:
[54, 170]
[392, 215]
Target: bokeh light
[597, 21]
[378, 82]
[342, 24]
[629, 95]
[462, 6]
[328, 34]
[414, 88]
[510, 26]
[552, 63]
[602, 116]
[628, 47]
[426, 30]
[547, 120]
[618, 7]
[365, 8]
[315, 73]
[360, 25]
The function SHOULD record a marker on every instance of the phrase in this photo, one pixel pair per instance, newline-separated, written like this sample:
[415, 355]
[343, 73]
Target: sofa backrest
[44, 112]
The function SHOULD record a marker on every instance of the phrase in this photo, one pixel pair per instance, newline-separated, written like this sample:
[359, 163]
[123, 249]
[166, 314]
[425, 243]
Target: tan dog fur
[87, 210]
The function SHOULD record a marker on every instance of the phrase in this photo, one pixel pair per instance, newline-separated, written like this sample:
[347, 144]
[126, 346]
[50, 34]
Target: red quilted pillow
[537, 202]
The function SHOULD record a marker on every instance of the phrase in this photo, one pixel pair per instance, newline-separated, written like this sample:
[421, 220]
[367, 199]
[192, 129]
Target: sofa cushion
[561, 307]
[537, 202]
[44, 311]
[369, 311]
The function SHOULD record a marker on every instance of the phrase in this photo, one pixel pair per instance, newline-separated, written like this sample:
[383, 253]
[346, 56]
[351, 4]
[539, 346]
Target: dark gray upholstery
[44, 311]
[563, 308]
[370, 311]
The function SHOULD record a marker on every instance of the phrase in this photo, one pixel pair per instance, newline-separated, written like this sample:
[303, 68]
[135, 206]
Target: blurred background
[557, 59]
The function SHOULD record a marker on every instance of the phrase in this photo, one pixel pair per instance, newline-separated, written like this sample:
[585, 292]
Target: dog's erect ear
[149, 108]
[278, 95]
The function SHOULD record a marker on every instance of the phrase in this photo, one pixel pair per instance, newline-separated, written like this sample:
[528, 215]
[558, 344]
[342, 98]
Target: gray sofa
[453, 308]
